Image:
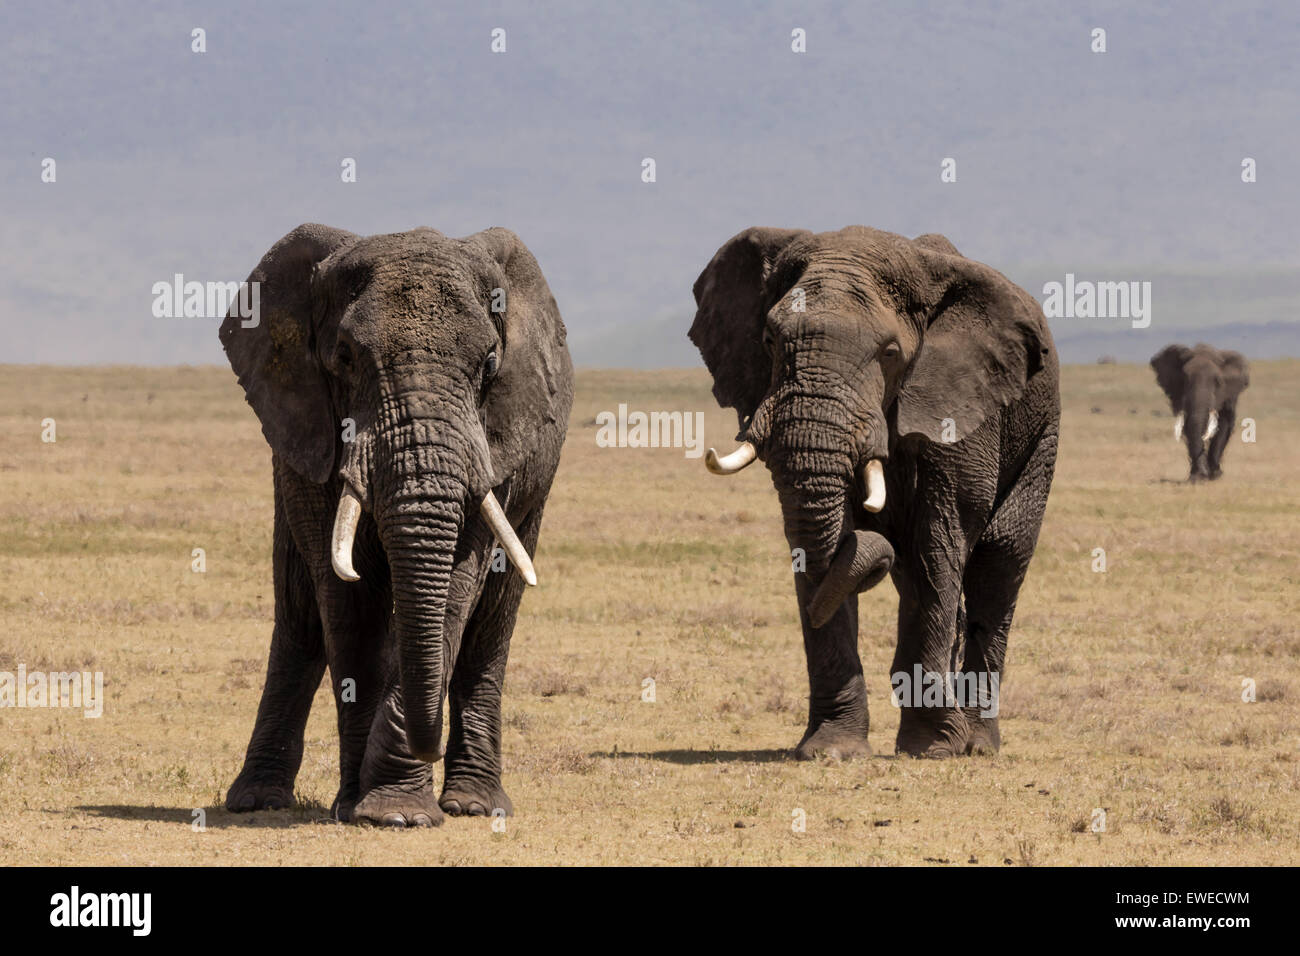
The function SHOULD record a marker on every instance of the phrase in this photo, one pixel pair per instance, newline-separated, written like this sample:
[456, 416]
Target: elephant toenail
[422, 820]
[394, 820]
[452, 807]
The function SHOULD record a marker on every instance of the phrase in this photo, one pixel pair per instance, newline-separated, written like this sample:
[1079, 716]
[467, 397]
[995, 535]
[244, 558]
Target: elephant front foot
[933, 733]
[248, 793]
[398, 807]
[837, 727]
[984, 739]
[834, 742]
[468, 798]
[345, 805]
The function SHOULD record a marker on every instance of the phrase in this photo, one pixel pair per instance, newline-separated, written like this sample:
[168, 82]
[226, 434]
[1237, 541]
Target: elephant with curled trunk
[1202, 385]
[905, 400]
[415, 392]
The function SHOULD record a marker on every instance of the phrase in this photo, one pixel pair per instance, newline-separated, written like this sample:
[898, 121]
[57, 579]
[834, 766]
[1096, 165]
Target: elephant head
[1202, 385]
[412, 372]
[836, 347]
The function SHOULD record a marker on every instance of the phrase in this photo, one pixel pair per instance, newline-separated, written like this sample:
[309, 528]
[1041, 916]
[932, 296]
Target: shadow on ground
[702, 756]
[215, 818]
[688, 757]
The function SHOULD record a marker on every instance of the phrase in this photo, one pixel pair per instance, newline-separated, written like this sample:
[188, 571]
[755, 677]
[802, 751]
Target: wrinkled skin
[448, 400]
[939, 367]
[1202, 385]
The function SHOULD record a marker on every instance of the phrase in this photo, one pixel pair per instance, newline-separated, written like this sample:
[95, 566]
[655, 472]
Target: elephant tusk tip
[739, 459]
[496, 519]
[345, 531]
[873, 476]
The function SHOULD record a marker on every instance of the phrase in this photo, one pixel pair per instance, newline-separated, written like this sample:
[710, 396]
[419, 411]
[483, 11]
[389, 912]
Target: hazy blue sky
[1123, 165]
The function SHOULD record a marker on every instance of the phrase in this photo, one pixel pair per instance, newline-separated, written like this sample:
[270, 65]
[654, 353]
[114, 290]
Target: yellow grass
[1123, 689]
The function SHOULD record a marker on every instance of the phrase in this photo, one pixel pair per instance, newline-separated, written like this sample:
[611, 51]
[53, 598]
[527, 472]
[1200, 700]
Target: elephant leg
[472, 779]
[994, 573]
[359, 663]
[837, 692]
[1219, 443]
[293, 674]
[396, 788]
[930, 725]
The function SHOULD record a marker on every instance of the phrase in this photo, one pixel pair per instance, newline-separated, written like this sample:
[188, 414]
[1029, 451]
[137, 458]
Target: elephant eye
[343, 356]
[769, 340]
[490, 365]
[891, 351]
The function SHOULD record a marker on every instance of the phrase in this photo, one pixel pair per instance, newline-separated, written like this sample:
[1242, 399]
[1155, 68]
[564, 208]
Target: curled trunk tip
[861, 561]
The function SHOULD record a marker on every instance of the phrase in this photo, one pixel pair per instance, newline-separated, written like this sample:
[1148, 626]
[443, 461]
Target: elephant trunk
[812, 455]
[860, 563]
[1197, 430]
[420, 538]
[425, 472]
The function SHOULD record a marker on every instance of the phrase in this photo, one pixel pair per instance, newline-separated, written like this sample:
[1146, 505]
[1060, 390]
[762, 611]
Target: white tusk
[742, 457]
[1212, 427]
[510, 543]
[1178, 426]
[873, 476]
[345, 530]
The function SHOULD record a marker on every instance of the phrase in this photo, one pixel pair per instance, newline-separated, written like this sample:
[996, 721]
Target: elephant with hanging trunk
[1202, 385]
[905, 400]
[415, 392]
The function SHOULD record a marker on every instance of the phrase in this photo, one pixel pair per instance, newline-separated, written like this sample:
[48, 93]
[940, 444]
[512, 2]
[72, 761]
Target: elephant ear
[983, 339]
[274, 359]
[732, 301]
[1168, 364]
[535, 368]
[1235, 374]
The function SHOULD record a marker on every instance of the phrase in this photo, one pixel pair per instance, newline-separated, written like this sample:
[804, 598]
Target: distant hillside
[658, 343]
[663, 344]
[1254, 311]
[1267, 340]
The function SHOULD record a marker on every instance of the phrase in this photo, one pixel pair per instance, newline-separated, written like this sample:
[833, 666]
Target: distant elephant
[934, 378]
[415, 392]
[1202, 385]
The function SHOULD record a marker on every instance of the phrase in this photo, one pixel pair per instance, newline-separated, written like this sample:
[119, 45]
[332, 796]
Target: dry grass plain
[1123, 688]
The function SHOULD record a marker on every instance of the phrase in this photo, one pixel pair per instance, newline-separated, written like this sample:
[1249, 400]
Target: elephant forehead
[834, 279]
[1201, 366]
[422, 259]
[844, 310]
[413, 330]
[422, 301]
